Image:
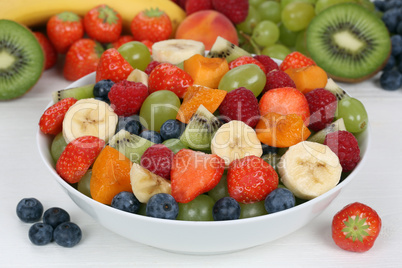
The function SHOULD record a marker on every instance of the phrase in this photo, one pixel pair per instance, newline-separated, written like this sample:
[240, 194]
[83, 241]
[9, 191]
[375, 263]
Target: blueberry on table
[151, 135]
[162, 206]
[279, 199]
[226, 208]
[172, 129]
[40, 234]
[391, 80]
[396, 41]
[102, 89]
[126, 201]
[67, 234]
[55, 216]
[29, 210]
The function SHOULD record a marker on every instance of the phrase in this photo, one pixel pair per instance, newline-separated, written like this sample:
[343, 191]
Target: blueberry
[278, 200]
[226, 208]
[390, 19]
[266, 149]
[102, 89]
[391, 80]
[172, 129]
[380, 5]
[133, 126]
[40, 233]
[399, 28]
[126, 201]
[390, 63]
[67, 234]
[400, 66]
[29, 210]
[162, 206]
[391, 4]
[55, 216]
[151, 135]
[396, 45]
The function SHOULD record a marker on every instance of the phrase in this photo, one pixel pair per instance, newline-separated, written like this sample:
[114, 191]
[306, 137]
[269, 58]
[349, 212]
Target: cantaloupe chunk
[308, 78]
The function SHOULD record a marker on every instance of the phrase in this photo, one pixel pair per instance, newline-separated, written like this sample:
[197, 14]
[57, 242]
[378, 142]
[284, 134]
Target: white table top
[24, 175]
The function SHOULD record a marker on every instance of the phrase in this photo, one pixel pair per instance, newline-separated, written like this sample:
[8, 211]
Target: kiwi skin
[19, 91]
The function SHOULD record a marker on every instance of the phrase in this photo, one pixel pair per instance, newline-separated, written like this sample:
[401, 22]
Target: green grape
[158, 107]
[199, 209]
[297, 16]
[266, 33]
[174, 144]
[270, 10]
[249, 76]
[287, 2]
[353, 113]
[255, 3]
[286, 36]
[136, 53]
[252, 210]
[220, 190]
[276, 51]
[272, 159]
[323, 4]
[301, 44]
[83, 184]
[58, 146]
[250, 22]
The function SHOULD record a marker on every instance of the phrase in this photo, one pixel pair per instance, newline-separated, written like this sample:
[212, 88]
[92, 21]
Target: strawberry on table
[103, 24]
[112, 66]
[48, 49]
[82, 58]
[153, 25]
[235, 10]
[64, 29]
[295, 60]
[51, 122]
[356, 227]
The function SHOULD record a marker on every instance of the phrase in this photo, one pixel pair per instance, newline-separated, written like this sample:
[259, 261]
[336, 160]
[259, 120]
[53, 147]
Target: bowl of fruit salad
[204, 167]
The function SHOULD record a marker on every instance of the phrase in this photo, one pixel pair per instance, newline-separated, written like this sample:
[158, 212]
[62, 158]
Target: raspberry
[322, 104]
[151, 66]
[240, 104]
[346, 147]
[267, 62]
[126, 97]
[193, 6]
[278, 79]
[245, 60]
[158, 159]
[235, 10]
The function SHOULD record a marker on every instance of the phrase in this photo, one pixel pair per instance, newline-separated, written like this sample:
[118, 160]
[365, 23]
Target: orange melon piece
[110, 175]
[308, 78]
[206, 71]
[195, 96]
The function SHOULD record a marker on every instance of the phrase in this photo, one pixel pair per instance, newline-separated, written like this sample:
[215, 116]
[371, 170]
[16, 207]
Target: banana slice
[146, 184]
[309, 169]
[175, 51]
[235, 140]
[138, 76]
[89, 117]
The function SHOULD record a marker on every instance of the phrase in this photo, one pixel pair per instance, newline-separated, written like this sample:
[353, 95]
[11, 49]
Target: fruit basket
[199, 237]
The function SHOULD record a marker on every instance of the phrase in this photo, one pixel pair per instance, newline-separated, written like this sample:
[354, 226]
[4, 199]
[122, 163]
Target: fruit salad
[191, 135]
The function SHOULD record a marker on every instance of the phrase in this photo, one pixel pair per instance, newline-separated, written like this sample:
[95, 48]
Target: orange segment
[281, 130]
[197, 95]
[308, 78]
[206, 71]
[110, 175]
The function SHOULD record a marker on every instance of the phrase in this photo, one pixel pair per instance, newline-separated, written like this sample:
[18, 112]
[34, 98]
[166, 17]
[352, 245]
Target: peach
[205, 26]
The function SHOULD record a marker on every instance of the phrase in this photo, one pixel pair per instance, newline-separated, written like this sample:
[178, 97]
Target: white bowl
[199, 237]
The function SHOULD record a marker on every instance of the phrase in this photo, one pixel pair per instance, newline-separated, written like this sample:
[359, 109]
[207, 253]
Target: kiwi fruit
[223, 48]
[83, 92]
[22, 60]
[349, 42]
[333, 127]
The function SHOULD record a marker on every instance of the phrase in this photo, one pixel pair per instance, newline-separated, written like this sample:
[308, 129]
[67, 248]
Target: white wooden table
[22, 174]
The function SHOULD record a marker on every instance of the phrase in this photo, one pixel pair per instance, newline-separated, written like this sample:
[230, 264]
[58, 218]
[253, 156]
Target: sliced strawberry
[295, 60]
[245, 60]
[77, 157]
[194, 173]
[112, 66]
[51, 121]
[356, 227]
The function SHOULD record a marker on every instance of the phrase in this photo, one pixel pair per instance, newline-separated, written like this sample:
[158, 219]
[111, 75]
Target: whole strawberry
[356, 227]
[82, 58]
[193, 6]
[77, 157]
[64, 29]
[153, 25]
[48, 49]
[295, 60]
[166, 76]
[103, 24]
[112, 66]
[121, 41]
[235, 10]
[250, 179]
[51, 121]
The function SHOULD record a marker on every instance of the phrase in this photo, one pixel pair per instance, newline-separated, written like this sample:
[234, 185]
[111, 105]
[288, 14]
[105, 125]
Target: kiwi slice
[333, 127]
[199, 131]
[21, 60]
[349, 42]
[222, 48]
[78, 93]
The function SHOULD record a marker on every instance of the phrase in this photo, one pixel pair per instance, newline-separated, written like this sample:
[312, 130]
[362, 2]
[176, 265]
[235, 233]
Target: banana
[175, 51]
[235, 140]
[146, 184]
[89, 117]
[36, 13]
[138, 76]
[309, 169]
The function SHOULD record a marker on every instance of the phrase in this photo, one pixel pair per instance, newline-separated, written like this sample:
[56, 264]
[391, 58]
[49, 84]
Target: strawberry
[82, 58]
[295, 60]
[242, 60]
[250, 179]
[77, 157]
[356, 227]
[48, 49]
[235, 10]
[194, 173]
[51, 121]
[121, 41]
[64, 29]
[166, 76]
[112, 66]
[148, 44]
[153, 25]
[103, 24]
[197, 5]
